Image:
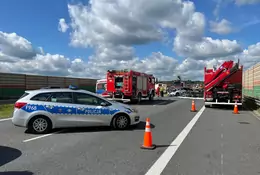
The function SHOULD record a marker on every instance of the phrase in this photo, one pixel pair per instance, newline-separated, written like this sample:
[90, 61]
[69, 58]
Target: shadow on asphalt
[9, 154]
[140, 126]
[222, 107]
[16, 173]
[163, 146]
[227, 107]
[244, 123]
[154, 102]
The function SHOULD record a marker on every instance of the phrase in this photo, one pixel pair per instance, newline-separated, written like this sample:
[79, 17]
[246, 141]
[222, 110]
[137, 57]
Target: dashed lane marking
[163, 160]
[42, 136]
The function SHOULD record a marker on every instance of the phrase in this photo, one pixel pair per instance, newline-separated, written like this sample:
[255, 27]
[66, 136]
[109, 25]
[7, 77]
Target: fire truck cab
[129, 85]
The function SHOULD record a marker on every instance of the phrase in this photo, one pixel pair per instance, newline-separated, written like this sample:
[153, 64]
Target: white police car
[45, 109]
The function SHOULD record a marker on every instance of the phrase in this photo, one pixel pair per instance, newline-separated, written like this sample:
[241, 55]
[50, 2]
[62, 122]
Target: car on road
[45, 109]
[180, 92]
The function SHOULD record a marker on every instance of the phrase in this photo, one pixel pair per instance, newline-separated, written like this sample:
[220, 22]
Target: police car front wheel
[121, 122]
[40, 125]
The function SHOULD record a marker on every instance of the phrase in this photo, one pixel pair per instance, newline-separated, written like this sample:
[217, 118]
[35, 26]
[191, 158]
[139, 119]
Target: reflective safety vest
[161, 89]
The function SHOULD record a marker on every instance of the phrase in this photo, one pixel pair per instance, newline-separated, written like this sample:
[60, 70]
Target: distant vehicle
[180, 92]
[223, 85]
[177, 92]
[130, 85]
[101, 87]
[45, 109]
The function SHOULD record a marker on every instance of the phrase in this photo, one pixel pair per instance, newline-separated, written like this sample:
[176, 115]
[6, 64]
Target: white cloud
[250, 56]
[222, 27]
[206, 48]
[13, 45]
[120, 22]
[63, 26]
[246, 2]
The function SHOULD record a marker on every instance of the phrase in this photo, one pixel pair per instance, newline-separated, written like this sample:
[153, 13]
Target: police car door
[62, 109]
[89, 110]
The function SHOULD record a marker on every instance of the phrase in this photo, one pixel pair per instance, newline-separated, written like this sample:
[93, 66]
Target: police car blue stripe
[69, 110]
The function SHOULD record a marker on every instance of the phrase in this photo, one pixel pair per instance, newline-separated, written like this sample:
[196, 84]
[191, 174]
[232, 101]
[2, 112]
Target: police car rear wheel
[121, 122]
[40, 125]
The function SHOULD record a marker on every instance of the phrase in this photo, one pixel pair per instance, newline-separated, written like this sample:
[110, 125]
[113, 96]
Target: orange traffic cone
[147, 144]
[193, 107]
[235, 109]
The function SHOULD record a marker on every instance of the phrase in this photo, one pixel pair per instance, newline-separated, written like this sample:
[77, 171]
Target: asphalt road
[210, 141]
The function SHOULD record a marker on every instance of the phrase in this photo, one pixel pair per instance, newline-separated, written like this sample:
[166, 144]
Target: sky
[167, 38]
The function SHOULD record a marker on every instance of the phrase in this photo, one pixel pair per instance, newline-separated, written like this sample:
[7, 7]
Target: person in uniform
[158, 91]
[161, 91]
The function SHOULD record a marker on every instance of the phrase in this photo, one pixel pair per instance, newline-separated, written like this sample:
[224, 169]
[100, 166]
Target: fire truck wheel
[121, 121]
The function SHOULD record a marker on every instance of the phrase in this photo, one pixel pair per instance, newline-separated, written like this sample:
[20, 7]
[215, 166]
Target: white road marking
[191, 98]
[42, 136]
[222, 136]
[1, 120]
[222, 162]
[163, 160]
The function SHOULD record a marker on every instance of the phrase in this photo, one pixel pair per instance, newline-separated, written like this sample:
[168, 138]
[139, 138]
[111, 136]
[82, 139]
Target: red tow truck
[223, 85]
[129, 85]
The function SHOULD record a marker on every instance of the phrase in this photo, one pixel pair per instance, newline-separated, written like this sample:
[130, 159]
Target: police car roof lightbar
[73, 87]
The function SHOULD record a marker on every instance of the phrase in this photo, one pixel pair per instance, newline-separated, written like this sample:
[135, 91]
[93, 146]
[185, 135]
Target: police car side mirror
[103, 104]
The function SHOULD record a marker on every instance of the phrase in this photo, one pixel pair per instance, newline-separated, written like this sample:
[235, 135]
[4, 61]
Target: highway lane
[99, 150]
[220, 143]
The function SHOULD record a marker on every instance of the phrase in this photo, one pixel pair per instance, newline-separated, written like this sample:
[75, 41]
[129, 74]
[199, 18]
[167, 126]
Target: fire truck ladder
[222, 76]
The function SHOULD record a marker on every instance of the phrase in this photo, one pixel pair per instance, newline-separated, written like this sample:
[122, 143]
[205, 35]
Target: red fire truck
[223, 85]
[129, 85]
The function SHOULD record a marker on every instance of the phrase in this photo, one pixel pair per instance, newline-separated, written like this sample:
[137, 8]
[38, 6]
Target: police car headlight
[132, 109]
[135, 110]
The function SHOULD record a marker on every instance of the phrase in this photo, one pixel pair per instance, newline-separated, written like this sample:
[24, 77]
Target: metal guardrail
[257, 101]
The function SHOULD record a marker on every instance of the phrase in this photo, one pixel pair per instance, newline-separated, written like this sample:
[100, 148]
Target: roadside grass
[6, 110]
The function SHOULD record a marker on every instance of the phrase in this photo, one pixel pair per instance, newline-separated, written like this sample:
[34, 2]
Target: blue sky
[37, 21]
